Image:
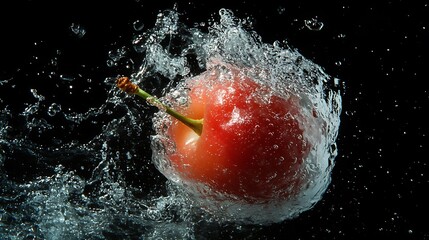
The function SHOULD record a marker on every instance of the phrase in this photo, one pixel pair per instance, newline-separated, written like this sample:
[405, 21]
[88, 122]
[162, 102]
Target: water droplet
[129, 155]
[117, 54]
[341, 35]
[156, 103]
[66, 77]
[78, 30]
[314, 24]
[54, 109]
[336, 81]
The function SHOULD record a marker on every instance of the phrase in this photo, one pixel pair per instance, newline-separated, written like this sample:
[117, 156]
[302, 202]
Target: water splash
[286, 72]
[88, 174]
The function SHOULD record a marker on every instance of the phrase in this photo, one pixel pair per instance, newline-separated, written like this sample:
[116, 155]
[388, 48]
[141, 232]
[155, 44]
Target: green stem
[194, 124]
[127, 86]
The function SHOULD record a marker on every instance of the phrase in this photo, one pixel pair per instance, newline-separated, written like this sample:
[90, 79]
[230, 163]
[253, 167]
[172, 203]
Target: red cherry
[240, 147]
[251, 147]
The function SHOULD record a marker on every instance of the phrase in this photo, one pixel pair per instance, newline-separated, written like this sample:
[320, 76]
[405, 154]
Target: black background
[378, 50]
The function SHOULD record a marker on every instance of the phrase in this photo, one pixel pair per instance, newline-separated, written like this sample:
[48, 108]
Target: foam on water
[87, 175]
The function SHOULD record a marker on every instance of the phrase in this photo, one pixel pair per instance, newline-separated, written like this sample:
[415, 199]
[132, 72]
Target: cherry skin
[251, 147]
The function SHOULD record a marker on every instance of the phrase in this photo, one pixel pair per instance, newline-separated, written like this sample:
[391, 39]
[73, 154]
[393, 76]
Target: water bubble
[54, 109]
[139, 43]
[138, 25]
[110, 63]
